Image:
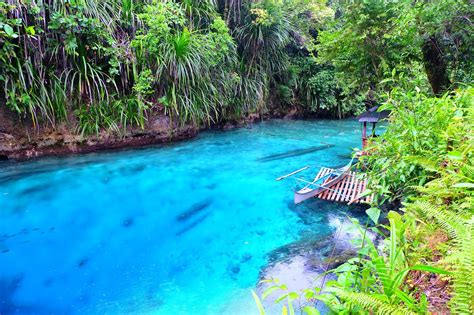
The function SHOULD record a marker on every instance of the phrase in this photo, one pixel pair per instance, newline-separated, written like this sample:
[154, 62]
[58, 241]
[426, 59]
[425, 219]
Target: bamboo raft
[349, 189]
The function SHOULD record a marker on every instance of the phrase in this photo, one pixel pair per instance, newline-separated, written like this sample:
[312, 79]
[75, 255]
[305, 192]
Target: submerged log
[295, 153]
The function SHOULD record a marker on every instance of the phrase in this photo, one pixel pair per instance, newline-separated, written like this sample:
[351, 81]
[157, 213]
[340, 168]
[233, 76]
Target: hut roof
[372, 115]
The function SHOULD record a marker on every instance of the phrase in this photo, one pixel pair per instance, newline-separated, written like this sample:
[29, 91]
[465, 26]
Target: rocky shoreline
[30, 145]
[58, 143]
[18, 142]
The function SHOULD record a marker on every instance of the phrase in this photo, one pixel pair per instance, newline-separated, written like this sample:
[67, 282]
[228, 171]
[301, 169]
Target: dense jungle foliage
[110, 64]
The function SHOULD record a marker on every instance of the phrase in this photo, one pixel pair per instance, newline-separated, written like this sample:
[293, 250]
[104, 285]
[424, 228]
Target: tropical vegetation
[413, 59]
[112, 66]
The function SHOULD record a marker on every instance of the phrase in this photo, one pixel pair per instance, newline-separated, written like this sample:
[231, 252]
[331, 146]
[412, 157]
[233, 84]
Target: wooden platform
[347, 190]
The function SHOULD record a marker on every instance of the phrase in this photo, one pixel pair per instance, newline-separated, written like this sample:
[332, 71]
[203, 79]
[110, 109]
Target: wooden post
[364, 135]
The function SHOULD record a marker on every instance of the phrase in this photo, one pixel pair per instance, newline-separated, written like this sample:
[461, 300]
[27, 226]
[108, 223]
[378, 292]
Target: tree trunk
[435, 66]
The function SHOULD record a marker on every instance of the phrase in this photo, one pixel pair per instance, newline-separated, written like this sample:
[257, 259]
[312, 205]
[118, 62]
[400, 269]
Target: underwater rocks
[8, 289]
[300, 265]
[82, 262]
[235, 267]
[128, 222]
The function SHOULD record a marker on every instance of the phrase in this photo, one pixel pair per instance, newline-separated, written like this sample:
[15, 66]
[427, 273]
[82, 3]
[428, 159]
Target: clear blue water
[178, 229]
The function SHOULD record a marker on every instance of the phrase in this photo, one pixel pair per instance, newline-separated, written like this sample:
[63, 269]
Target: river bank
[64, 143]
[19, 142]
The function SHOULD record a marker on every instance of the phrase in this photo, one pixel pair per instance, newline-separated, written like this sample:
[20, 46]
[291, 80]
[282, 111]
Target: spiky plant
[107, 12]
[199, 12]
[263, 37]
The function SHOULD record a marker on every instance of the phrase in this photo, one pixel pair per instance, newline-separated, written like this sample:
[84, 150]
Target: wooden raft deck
[347, 189]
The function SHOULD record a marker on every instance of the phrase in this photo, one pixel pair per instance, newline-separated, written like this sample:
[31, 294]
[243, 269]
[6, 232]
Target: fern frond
[468, 171]
[371, 303]
[463, 300]
[462, 258]
[424, 162]
[446, 220]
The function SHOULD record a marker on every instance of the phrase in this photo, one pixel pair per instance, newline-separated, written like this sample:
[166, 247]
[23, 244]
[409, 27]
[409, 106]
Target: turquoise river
[186, 228]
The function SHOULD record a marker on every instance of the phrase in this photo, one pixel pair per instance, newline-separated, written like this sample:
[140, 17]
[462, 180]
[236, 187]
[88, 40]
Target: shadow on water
[31, 190]
[344, 156]
[192, 225]
[13, 170]
[128, 170]
[294, 153]
[193, 216]
[82, 262]
[314, 210]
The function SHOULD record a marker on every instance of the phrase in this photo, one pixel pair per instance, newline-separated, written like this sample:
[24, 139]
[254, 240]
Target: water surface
[177, 229]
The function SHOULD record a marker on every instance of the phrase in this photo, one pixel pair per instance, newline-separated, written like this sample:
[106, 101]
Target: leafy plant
[426, 156]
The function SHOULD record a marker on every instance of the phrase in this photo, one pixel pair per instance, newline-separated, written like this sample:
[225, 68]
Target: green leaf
[30, 30]
[308, 294]
[430, 269]
[269, 291]
[310, 310]
[261, 310]
[405, 298]
[366, 193]
[455, 155]
[290, 307]
[281, 298]
[374, 214]
[9, 31]
[293, 296]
